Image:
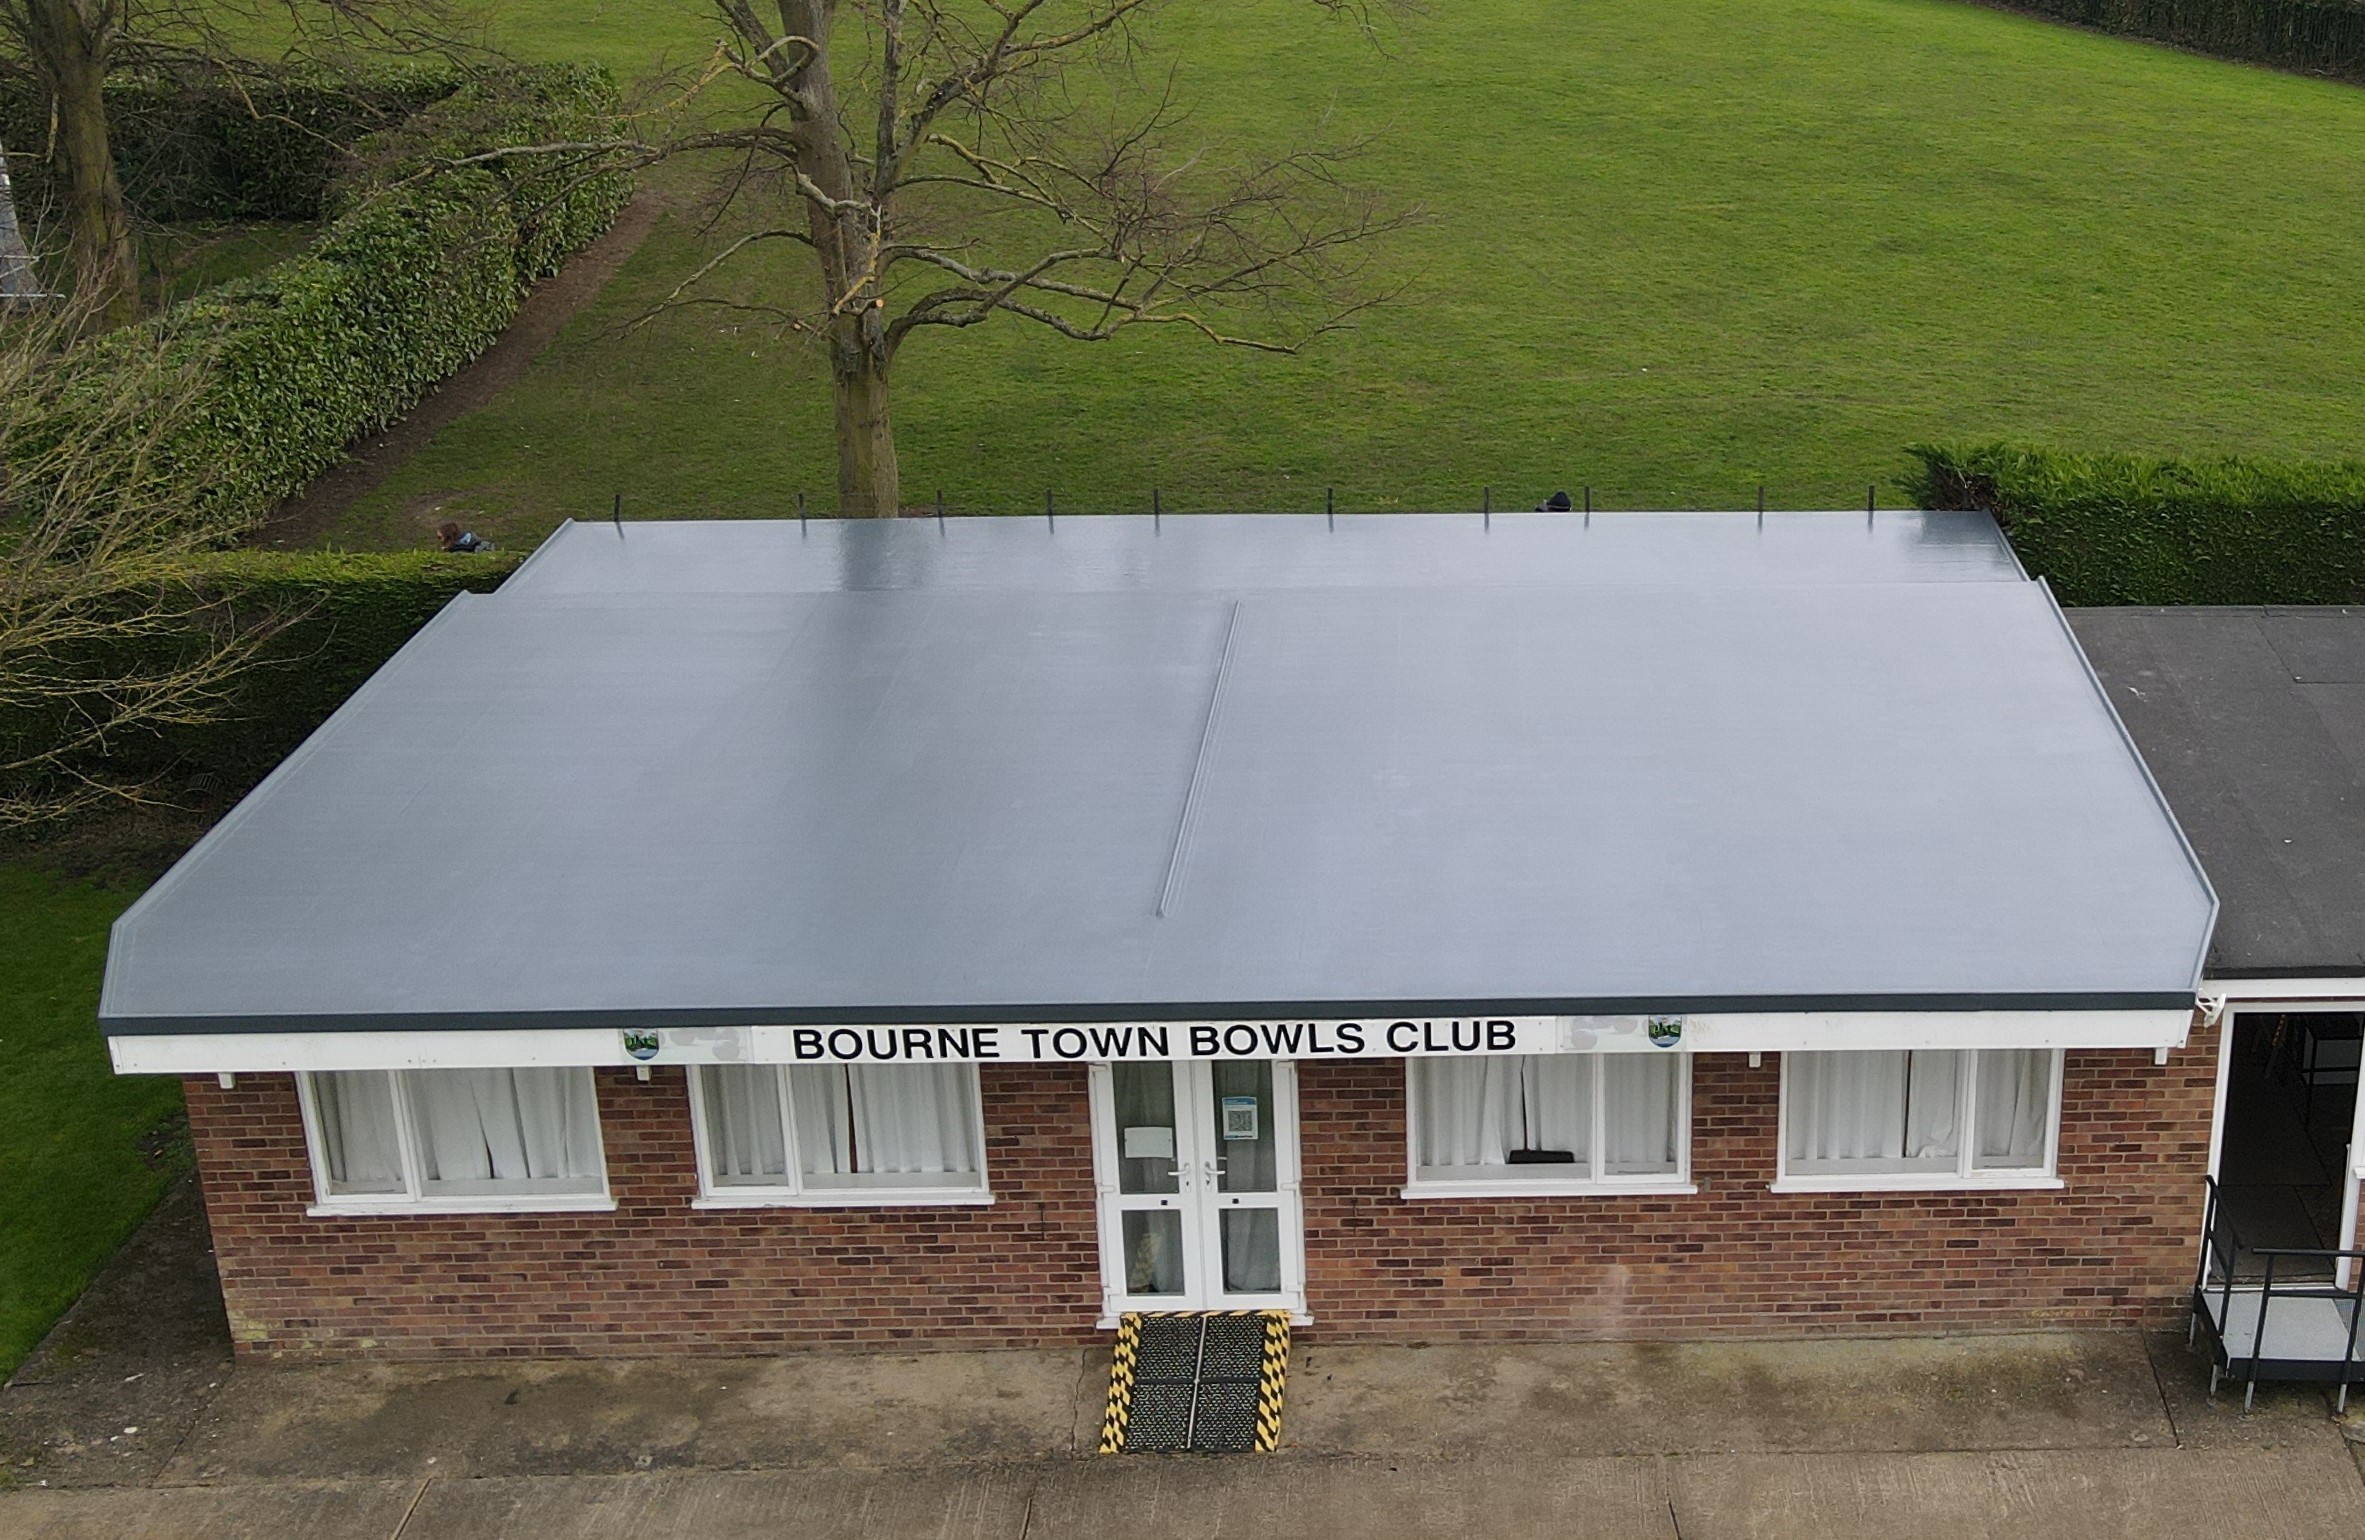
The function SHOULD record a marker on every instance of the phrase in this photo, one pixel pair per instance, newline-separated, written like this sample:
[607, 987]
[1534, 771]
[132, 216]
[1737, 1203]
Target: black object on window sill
[1541, 1157]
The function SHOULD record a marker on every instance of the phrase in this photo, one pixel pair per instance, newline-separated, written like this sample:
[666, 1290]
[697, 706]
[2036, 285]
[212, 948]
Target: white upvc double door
[1197, 1165]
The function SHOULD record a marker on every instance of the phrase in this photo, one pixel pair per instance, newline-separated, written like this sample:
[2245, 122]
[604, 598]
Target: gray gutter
[1230, 1010]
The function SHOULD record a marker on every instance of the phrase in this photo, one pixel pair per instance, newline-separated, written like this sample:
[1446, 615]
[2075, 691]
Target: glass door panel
[1147, 1156]
[1244, 1132]
[1154, 1252]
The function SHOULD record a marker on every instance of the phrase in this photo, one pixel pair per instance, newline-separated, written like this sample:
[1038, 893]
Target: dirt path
[302, 519]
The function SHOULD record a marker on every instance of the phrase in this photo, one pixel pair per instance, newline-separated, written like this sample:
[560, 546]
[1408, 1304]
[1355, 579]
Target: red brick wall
[658, 1276]
[2117, 1245]
[655, 1276]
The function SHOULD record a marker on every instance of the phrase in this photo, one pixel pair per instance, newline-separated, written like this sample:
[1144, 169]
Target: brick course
[657, 1276]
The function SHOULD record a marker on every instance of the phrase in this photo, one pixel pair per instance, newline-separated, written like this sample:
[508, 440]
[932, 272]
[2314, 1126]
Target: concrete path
[2089, 1495]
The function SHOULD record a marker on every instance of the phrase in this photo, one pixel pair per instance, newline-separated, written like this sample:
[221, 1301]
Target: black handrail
[2223, 1244]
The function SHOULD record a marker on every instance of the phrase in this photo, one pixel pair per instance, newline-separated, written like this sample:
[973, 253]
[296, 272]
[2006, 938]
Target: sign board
[1161, 1041]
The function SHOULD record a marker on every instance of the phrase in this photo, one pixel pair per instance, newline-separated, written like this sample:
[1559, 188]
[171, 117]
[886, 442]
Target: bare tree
[67, 47]
[947, 162]
[101, 638]
[61, 52]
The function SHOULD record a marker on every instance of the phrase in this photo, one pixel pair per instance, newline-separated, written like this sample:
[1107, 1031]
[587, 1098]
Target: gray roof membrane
[2254, 722]
[687, 775]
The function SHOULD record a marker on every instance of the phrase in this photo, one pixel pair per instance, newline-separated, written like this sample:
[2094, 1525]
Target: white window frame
[1965, 1177]
[793, 1193]
[415, 1198]
[1679, 1181]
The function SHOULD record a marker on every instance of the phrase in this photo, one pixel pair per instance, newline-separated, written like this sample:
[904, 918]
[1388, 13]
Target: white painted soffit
[1019, 1043]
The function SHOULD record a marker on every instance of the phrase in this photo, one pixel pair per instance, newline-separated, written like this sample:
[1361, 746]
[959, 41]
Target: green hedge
[199, 149]
[2325, 37]
[2124, 529]
[337, 618]
[417, 273]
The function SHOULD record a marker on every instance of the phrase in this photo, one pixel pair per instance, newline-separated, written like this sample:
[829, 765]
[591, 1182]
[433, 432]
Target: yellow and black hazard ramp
[1206, 1381]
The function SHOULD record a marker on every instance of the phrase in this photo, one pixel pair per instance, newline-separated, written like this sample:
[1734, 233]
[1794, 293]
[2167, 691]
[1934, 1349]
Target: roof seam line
[1171, 893]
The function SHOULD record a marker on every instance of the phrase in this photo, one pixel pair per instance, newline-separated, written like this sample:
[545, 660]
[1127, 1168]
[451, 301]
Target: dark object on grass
[1557, 503]
[453, 538]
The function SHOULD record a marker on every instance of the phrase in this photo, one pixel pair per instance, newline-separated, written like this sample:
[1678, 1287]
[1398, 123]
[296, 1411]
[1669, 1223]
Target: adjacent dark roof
[2254, 722]
[1109, 770]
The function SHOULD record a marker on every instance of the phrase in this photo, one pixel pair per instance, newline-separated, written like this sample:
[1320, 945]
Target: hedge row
[202, 149]
[332, 619]
[2324, 37]
[2124, 529]
[419, 270]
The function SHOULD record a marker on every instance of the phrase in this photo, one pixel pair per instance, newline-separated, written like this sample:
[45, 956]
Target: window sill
[1296, 1313]
[1893, 1182]
[346, 1208]
[1669, 1187]
[881, 1198]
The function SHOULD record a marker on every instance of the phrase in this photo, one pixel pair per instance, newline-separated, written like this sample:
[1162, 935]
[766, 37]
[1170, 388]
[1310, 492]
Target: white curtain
[1638, 1111]
[357, 1137]
[506, 1126]
[745, 1142]
[2015, 1104]
[1474, 1112]
[1897, 1108]
[885, 1119]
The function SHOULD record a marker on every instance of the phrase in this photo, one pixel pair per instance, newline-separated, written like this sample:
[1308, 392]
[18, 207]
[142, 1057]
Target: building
[2254, 721]
[740, 936]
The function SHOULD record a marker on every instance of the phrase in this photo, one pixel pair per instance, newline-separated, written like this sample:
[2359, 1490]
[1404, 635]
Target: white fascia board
[1827, 1032]
[517, 1048]
[2252, 993]
[258, 1053]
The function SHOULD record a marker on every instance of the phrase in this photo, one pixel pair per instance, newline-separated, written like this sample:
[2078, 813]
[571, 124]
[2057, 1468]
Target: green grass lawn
[1674, 250]
[80, 1156]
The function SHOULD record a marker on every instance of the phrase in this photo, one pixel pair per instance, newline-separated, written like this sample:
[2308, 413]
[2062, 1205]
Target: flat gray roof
[2254, 721]
[742, 773]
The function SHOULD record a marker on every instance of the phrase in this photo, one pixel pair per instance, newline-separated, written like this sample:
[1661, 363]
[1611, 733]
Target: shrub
[421, 267]
[2125, 529]
[2325, 37]
[197, 148]
[329, 619]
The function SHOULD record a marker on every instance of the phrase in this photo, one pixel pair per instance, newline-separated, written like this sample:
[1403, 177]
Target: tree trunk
[844, 221]
[71, 55]
[870, 486]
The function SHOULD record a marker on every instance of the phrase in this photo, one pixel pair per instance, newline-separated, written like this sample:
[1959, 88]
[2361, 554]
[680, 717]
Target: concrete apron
[2092, 1434]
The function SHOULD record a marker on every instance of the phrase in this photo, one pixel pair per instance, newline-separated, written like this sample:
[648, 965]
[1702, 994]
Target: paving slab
[2053, 1390]
[529, 1417]
[118, 1383]
[1139, 1497]
[2086, 1494]
[2283, 1415]
[332, 1510]
[989, 1504]
[1149, 1497]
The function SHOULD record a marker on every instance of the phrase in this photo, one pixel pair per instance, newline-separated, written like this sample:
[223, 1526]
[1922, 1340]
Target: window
[861, 1134]
[454, 1139]
[1930, 1118]
[1523, 1124]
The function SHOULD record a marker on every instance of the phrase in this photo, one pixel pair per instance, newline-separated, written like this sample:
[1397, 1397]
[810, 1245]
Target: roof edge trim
[1111, 1011]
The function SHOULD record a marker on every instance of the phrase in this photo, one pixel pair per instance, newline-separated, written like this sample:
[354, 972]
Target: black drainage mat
[1206, 1382]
